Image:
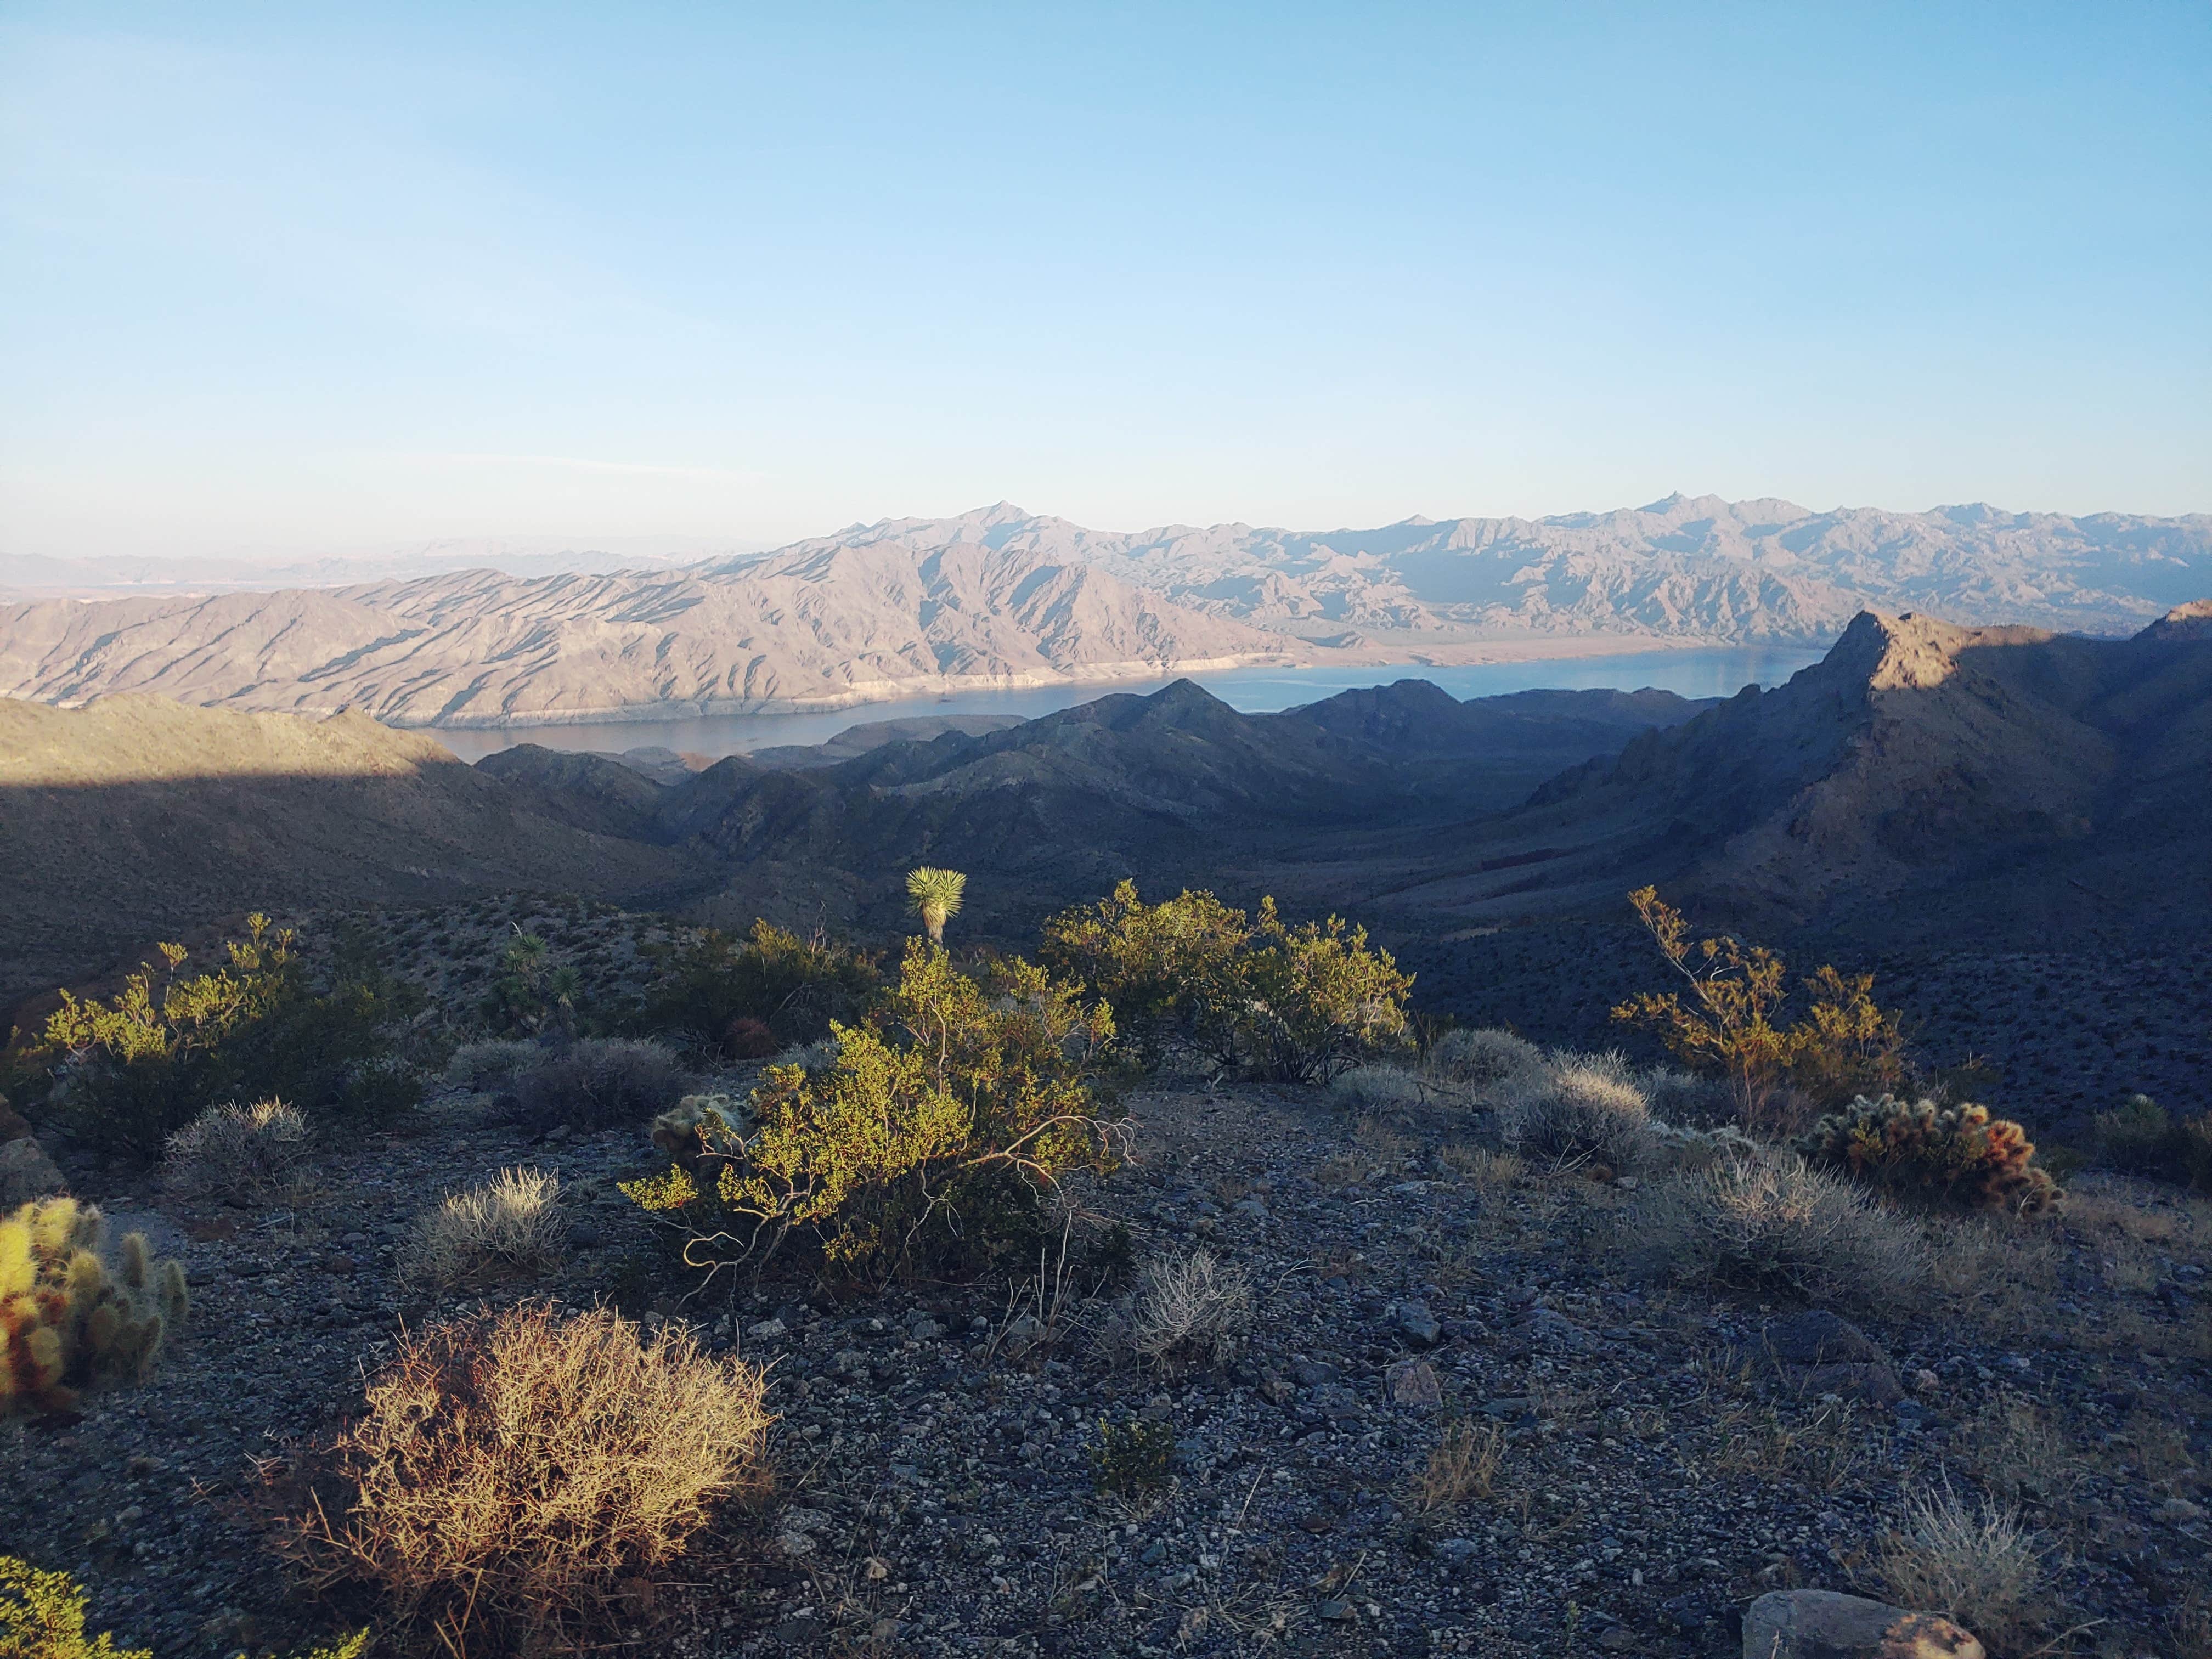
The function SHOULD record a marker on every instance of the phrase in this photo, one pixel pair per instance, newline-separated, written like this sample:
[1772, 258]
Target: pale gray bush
[485, 1066]
[511, 1224]
[1688, 1151]
[1370, 1087]
[237, 1152]
[1482, 1063]
[1768, 1221]
[1977, 1564]
[1578, 1107]
[598, 1084]
[1684, 1098]
[1191, 1307]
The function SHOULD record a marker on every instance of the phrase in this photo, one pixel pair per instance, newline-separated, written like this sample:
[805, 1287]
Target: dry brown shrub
[1484, 1169]
[511, 1224]
[1975, 1563]
[1463, 1465]
[517, 1480]
[1192, 1307]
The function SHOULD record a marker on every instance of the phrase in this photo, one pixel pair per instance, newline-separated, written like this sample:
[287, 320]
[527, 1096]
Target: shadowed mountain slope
[138, 817]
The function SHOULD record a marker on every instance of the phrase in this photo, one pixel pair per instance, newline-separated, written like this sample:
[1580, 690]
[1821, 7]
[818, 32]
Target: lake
[1717, 671]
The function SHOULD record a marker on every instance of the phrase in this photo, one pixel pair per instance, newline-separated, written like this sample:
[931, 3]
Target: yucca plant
[934, 895]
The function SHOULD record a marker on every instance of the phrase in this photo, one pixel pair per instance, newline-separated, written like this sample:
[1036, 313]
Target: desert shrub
[1192, 1307]
[1167, 969]
[1731, 1023]
[1689, 1150]
[516, 1480]
[237, 1152]
[1483, 1062]
[135, 1069]
[1580, 1106]
[1955, 1155]
[1364, 1087]
[1976, 1564]
[484, 1066]
[1293, 1004]
[599, 1083]
[42, 1617]
[1770, 1222]
[70, 1323]
[2139, 1138]
[934, 1137]
[794, 986]
[1684, 1099]
[1463, 1464]
[511, 1224]
[531, 994]
[1134, 1458]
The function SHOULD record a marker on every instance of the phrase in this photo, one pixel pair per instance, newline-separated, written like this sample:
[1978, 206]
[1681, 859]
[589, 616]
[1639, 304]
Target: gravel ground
[1640, 1472]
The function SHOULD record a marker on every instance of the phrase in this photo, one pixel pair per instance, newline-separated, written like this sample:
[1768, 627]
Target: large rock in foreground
[1827, 1625]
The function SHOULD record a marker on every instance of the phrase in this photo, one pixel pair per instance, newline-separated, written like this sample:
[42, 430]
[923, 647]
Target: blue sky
[290, 279]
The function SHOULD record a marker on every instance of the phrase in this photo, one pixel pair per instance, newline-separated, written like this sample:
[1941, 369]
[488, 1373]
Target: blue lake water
[1713, 672]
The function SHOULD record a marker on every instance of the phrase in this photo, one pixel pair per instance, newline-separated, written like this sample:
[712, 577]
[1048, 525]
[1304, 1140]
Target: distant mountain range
[1002, 598]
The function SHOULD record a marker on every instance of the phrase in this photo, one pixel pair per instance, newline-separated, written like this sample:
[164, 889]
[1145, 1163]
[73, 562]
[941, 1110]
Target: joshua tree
[934, 895]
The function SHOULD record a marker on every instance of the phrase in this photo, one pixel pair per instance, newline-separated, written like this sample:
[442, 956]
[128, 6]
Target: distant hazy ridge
[998, 597]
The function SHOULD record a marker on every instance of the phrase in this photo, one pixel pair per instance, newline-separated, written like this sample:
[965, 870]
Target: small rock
[585, 1236]
[1827, 1624]
[1315, 1373]
[2180, 1511]
[795, 1543]
[766, 1329]
[1413, 1382]
[339, 1265]
[1336, 1609]
[1620, 1638]
[1276, 1389]
[1418, 1325]
[26, 1173]
[1457, 1551]
[925, 1330]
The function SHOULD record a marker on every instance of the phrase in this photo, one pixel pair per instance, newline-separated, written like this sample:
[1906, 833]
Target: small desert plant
[1191, 1307]
[1292, 1003]
[1488, 1170]
[1689, 1151]
[42, 1617]
[483, 1067]
[1976, 1564]
[237, 1152]
[511, 1224]
[1730, 1022]
[1956, 1155]
[1365, 1086]
[531, 992]
[517, 1481]
[70, 1324]
[597, 1083]
[2140, 1137]
[1483, 1062]
[1580, 1107]
[1133, 1458]
[714, 988]
[1770, 1222]
[934, 895]
[1464, 1464]
[935, 1135]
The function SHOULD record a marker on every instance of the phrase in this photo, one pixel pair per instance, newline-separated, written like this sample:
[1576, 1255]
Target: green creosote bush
[1134, 1457]
[42, 1617]
[1290, 1004]
[1958, 1156]
[932, 1138]
[70, 1323]
[717, 990]
[2139, 1137]
[133, 1070]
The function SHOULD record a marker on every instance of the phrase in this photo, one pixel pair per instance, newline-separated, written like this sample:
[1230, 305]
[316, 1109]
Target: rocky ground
[1634, 1464]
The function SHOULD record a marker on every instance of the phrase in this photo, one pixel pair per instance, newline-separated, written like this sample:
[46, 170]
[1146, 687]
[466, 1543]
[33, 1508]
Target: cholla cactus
[1955, 1154]
[68, 1323]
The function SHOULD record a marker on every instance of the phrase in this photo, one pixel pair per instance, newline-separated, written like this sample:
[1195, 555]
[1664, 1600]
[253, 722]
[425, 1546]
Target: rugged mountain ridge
[1002, 598]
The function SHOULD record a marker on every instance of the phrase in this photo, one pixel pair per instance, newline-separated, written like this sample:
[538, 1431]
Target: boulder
[1413, 1382]
[1816, 1352]
[1827, 1624]
[26, 1173]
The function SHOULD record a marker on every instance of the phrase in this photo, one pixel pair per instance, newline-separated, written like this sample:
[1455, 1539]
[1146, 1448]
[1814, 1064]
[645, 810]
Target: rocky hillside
[140, 818]
[819, 629]
[999, 597]
[2011, 780]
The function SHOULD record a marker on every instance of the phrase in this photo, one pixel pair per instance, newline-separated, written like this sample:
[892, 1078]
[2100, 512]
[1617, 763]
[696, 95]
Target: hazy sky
[291, 277]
